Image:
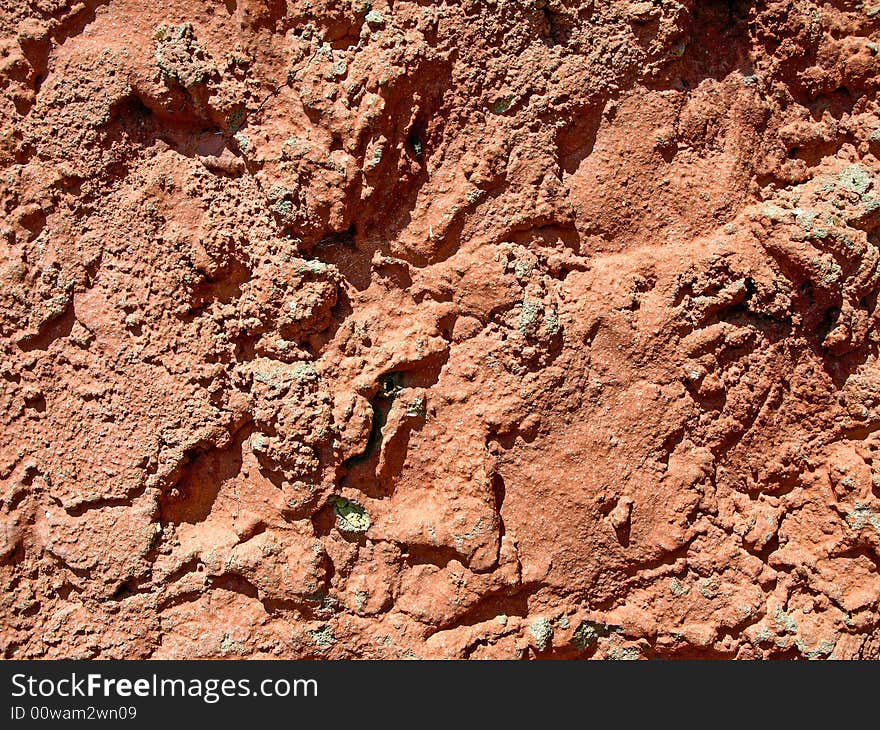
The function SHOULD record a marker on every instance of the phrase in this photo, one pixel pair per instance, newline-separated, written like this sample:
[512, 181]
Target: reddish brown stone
[471, 329]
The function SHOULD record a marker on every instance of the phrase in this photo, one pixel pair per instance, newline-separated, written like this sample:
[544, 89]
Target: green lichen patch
[588, 633]
[229, 646]
[855, 178]
[243, 141]
[785, 622]
[542, 630]
[350, 516]
[677, 588]
[303, 371]
[180, 58]
[375, 18]
[822, 650]
[283, 208]
[860, 516]
[774, 213]
[416, 407]
[871, 203]
[236, 120]
[323, 636]
[710, 588]
[528, 315]
[502, 104]
[624, 654]
[474, 195]
[375, 158]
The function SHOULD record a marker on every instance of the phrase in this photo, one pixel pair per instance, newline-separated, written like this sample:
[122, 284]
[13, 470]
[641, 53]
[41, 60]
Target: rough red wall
[463, 329]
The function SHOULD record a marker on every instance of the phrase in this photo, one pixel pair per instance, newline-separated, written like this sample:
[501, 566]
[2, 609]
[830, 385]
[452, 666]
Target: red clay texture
[498, 329]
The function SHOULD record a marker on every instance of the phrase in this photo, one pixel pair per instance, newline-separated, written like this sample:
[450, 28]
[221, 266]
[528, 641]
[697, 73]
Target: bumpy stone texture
[498, 329]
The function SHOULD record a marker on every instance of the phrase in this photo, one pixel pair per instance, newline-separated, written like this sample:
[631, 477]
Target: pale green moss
[350, 516]
[502, 104]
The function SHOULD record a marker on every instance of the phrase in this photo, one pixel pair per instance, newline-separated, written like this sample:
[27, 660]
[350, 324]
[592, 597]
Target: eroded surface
[464, 329]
